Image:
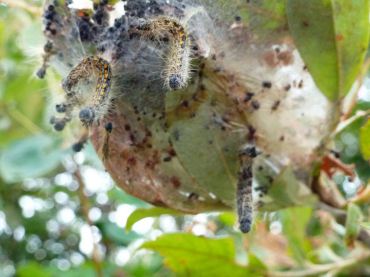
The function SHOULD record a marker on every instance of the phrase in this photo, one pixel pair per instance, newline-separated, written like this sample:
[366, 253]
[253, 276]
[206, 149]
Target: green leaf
[116, 234]
[354, 218]
[295, 221]
[332, 37]
[30, 157]
[366, 225]
[365, 140]
[189, 255]
[287, 191]
[119, 196]
[149, 265]
[144, 213]
[206, 151]
[32, 269]
[227, 218]
[348, 140]
[86, 270]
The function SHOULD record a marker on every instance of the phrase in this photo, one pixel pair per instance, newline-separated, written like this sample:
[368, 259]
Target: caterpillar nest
[190, 105]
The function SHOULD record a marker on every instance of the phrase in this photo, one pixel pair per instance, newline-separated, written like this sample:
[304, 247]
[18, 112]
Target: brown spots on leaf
[286, 57]
[171, 152]
[339, 37]
[153, 160]
[270, 58]
[175, 181]
[274, 58]
[132, 161]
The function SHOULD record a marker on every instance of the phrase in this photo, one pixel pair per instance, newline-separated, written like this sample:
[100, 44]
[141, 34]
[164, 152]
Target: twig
[85, 206]
[320, 269]
[344, 124]
[23, 120]
[341, 217]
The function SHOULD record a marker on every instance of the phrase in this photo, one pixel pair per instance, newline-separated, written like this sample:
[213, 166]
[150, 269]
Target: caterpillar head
[175, 82]
[87, 116]
[245, 225]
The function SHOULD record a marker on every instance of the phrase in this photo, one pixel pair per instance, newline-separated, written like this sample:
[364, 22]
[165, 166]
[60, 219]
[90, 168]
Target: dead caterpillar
[101, 99]
[177, 64]
[244, 196]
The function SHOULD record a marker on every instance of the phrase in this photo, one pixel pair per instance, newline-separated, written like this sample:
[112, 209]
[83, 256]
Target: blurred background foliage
[61, 215]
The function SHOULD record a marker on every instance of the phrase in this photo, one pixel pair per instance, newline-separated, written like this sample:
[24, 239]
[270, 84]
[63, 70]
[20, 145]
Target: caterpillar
[177, 62]
[101, 99]
[244, 195]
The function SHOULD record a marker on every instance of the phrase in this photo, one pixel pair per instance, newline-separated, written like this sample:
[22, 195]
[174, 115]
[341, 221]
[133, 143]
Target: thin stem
[320, 269]
[362, 197]
[23, 120]
[341, 217]
[344, 124]
[85, 206]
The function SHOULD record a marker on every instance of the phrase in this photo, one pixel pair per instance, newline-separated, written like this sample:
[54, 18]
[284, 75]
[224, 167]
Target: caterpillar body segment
[104, 80]
[244, 193]
[96, 105]
[177, 60]
[178, 65]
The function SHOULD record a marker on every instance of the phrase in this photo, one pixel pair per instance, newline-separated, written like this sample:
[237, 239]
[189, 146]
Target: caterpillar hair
[101, 99]
[177, 65]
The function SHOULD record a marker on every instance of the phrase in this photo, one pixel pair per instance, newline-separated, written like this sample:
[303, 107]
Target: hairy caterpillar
[101, 99]
[244, 195]
[177, 66]
[98, 104]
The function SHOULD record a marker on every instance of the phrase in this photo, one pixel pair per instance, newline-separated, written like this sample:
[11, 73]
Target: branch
[22, 119]
[341, 217]
[320, 269]
[85, 206]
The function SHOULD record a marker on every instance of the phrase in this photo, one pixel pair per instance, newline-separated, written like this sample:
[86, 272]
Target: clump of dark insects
[109, 56]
